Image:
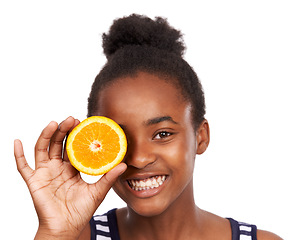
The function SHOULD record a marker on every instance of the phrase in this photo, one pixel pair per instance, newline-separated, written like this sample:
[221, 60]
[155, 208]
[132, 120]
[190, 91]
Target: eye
[162, 135]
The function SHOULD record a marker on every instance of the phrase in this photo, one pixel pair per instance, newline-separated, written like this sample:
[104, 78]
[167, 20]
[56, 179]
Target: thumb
[107, 181]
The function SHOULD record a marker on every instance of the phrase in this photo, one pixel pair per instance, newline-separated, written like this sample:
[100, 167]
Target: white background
[50, 53]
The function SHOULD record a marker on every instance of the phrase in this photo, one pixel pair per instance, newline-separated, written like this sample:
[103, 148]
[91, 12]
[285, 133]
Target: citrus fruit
[96, 145]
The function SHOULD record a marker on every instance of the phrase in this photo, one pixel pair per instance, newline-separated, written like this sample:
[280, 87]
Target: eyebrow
[154, 121]
[159, 120]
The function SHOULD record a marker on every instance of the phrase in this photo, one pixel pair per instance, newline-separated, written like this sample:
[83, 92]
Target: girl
[151, 91]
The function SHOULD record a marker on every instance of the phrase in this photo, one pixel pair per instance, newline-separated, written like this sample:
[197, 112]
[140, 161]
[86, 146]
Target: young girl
[150, 90]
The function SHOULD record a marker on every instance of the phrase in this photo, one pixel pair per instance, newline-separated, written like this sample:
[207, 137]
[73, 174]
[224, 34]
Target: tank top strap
[104, 226]
[242, 231]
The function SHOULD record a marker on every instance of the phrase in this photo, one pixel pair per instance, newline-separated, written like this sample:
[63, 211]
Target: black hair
[139, 44]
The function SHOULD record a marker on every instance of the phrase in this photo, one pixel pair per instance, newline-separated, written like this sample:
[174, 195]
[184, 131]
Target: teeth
[146, 184]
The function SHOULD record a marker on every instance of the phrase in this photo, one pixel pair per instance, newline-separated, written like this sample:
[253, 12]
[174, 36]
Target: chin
[149, 207]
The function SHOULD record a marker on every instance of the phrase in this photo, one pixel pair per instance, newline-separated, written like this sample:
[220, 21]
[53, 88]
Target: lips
[147, 183]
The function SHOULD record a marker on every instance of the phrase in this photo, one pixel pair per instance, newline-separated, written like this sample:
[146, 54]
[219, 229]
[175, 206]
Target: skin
[161, 141]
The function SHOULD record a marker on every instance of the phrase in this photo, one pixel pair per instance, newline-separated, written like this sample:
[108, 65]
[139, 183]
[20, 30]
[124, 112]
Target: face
[162, 143]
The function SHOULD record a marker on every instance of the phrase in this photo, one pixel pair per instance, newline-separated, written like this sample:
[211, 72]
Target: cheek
[181, 155]
[181, 164]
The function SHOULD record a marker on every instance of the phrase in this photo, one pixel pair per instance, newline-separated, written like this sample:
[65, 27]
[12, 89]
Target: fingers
[107, 181]
[21, 162]
[65, 155]
[56, 143]
[52, 136]
[42, 144]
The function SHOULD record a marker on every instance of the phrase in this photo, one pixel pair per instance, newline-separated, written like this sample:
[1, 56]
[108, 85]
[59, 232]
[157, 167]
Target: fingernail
[51, 123]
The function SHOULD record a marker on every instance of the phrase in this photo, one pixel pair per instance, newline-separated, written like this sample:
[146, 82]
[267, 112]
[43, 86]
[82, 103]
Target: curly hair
[139, 44]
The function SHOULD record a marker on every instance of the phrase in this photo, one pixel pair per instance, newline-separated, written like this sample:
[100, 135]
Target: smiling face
[161, 141]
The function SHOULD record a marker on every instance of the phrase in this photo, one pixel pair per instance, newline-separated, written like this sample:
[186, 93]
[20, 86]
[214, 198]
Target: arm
[63, 201]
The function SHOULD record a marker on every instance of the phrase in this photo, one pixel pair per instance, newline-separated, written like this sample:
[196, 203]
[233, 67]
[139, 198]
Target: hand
[63, 201]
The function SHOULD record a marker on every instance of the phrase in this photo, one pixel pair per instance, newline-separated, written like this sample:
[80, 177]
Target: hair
[139, 44]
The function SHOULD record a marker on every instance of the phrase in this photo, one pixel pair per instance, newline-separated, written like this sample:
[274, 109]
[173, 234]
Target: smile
[146, 184]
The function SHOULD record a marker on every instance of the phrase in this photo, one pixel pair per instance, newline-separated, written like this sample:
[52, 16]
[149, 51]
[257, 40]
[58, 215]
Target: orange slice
[96, 145]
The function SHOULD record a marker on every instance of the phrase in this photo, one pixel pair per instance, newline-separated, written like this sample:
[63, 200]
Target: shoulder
[265, 235]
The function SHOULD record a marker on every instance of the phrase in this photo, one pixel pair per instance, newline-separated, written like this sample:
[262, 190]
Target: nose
[139, 154]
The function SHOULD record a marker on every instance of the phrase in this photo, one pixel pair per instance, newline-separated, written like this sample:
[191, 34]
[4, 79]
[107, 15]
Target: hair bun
[141, 30]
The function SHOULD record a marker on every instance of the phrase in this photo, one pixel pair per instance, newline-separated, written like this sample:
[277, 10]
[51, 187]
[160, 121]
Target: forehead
[143, 94]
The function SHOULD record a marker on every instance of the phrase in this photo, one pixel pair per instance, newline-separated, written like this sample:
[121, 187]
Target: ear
[202, 137]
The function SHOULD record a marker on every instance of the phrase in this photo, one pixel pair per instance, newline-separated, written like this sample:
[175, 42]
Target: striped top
[104, 227]
[242, 231]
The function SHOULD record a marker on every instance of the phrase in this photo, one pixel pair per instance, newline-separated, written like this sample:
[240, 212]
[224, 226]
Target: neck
[168, 224]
